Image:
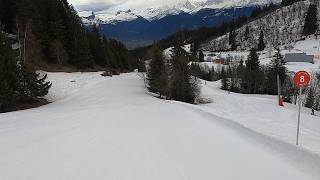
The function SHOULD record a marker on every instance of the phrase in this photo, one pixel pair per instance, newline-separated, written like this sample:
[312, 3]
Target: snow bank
[262, 114]
[64, 84]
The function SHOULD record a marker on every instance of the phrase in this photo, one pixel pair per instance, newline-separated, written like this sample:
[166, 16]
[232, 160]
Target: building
[218, 61]
[215, 59]
[299, 57]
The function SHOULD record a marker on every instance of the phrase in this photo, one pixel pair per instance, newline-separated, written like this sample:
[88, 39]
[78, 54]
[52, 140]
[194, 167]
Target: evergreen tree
[194, 51]
[311, 26]
[276, 67]
[8, 76]
[261, 44]
[80, 54]
[253, 75]
[310, 99]
[141, 66]
[224, 80]
[182, 86]
[247, 33]
[196, 70]
[232, 40]
[17, 82]
[157, 73]
[97, 46]
[201, 56]
[31, 84]
[110, 54]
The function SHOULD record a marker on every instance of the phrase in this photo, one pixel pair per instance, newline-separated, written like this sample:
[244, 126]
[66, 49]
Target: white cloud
[97, 5]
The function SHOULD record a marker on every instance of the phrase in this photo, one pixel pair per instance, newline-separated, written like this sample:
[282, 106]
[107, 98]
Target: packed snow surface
[110, 128]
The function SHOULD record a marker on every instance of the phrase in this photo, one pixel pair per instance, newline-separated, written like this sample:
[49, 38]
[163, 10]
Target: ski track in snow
[112, 129]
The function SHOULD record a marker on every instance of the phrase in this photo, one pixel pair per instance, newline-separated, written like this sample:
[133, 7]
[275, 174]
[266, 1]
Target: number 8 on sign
[302, 79]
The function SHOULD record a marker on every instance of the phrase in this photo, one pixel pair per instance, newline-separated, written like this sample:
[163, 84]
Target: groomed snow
[112, 129]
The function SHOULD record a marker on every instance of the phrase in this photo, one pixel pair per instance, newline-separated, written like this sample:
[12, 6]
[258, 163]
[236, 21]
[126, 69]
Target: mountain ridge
[283, 27]
[156, 13]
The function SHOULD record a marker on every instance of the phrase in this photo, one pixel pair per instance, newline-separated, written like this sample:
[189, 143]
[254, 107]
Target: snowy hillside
[282, 27]
[112, 129]
[309, 46]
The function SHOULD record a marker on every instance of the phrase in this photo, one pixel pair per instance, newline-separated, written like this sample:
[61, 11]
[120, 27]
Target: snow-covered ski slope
[110, 128]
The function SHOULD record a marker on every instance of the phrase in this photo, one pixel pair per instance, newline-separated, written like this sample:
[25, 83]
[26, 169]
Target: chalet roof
[299, 57]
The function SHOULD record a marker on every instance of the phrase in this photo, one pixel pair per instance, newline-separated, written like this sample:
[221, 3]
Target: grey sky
[97, 5]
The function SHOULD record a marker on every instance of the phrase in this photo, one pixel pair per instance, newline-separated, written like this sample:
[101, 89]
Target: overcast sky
[97, 5]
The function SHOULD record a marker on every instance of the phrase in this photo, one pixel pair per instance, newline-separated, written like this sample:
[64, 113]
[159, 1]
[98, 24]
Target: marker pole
[299, 116]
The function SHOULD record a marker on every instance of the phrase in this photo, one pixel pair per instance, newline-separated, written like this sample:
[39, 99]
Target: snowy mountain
[142, 26]
[141, 32]
[281, 28]
[154, 13]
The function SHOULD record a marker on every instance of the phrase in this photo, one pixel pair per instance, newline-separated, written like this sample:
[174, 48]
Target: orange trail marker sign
[302, 79]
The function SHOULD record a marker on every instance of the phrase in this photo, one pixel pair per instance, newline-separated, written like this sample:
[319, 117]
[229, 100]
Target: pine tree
[97, 46]
[310, 99]
[182, 86]
[201, 56]
[224, 80]
[253, 74]
[31, 84]
[232, 40]
[8, 76]
[17, 82]
[194, 51]
[247, 33]
[157, 73]
[110, 54]
[311, 26]
[276, 67]
[261, 44]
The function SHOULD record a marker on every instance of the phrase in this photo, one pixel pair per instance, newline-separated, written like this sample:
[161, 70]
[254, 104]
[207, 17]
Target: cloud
[111, 5]
[98, 5]
[95, 5]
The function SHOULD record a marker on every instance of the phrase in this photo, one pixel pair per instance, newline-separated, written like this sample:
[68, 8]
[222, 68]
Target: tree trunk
[24, 43]
[19, 41]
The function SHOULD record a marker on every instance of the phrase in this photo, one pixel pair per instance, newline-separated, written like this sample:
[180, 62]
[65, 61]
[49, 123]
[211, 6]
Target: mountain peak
[188, 6]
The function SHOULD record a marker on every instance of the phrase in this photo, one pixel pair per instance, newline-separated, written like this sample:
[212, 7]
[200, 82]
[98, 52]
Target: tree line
[250, 77]
[38, 33]
[52, 32]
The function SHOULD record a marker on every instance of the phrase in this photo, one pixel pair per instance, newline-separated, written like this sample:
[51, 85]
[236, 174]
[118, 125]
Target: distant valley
[136, 30]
